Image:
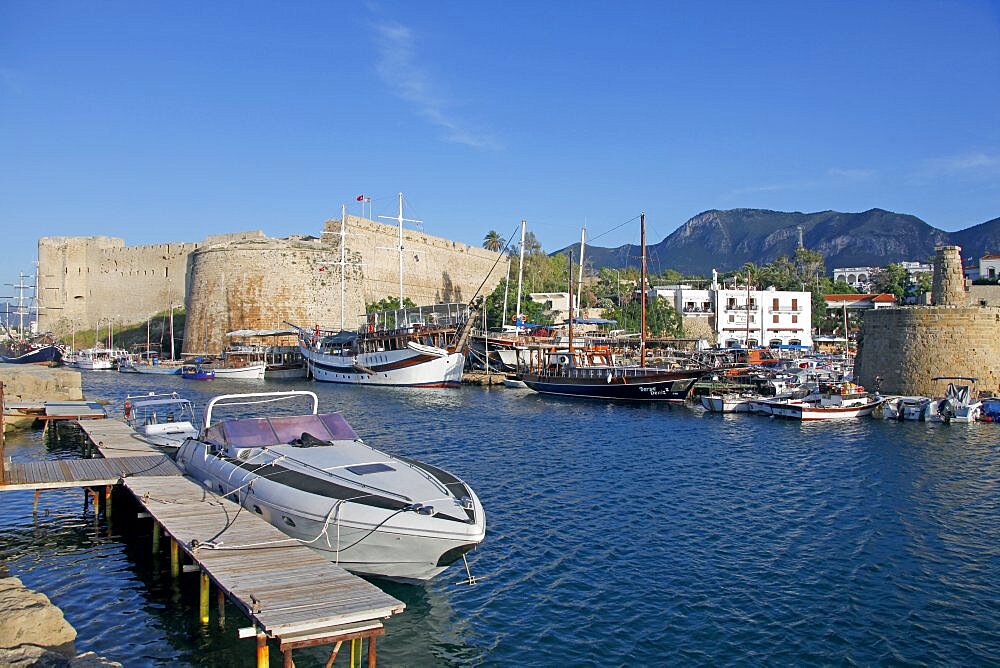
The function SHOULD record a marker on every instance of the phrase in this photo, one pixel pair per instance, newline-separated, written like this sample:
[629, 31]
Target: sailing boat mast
[748, 311]
[520, 275]
[400, 220]
[579, 283]
[642, 283]
[570, 277]
[343, 264]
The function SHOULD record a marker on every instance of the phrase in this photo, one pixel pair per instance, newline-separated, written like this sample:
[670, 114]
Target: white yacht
[313, 477]
[163, 420]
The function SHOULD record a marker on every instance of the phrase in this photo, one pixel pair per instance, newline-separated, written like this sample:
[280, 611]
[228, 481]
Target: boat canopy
[244, 333]
[264, 432]
[341, 338]
[593, 321]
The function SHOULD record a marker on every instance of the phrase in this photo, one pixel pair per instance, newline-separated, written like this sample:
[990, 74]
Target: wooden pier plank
[297, 589]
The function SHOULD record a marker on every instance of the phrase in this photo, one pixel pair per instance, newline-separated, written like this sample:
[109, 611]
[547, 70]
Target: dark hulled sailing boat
[593, 374]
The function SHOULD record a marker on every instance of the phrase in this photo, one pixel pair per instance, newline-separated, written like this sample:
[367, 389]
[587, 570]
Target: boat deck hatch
[364, 469]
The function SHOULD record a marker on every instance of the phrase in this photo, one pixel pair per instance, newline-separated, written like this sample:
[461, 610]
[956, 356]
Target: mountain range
[726, 240]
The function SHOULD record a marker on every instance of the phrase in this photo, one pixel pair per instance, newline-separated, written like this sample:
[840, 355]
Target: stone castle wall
[909, 346]
[435, 270]
[84, 281]
[263, 283]
[249, 281]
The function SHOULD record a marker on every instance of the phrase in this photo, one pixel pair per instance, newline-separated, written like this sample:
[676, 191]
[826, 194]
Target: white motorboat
[312, 477]
[730, 403]
[163, 420]
[905, 408]
[957, 405]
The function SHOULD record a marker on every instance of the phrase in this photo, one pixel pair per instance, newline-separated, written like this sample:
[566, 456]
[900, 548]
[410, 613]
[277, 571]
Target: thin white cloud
[400, 69]
[851, 174]
[962, 163]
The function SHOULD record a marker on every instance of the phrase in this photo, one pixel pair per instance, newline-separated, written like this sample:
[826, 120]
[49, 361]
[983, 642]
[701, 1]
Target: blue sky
[163, 121]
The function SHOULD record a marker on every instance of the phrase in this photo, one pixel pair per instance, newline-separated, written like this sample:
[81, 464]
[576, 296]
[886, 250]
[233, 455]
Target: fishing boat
[163, 420]
[100, 358]
[312, 477]
[196, 372]
[280, 361]
[412, 347]
[594, 374]
[730, 403]
[154, 367]
[839, 402]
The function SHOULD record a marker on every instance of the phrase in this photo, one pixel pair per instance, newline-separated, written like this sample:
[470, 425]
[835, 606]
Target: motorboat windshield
[271, 431]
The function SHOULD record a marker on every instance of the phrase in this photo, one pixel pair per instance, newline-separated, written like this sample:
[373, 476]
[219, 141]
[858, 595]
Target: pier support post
[107, 502]
[356, 653]
[175, 558]
[220, 599]
[333, 654]
[287, 658]
[371, 651]
[34, 507]
[263, 658]
[206, 586]
[156, 538]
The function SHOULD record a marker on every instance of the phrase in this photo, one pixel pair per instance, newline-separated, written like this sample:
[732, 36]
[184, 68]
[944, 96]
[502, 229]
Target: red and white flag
[363, 198]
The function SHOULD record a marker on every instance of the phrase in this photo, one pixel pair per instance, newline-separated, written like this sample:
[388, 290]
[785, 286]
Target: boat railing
[257, 398]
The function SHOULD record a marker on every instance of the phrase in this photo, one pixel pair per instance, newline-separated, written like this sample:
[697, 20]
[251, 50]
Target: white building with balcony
[772, 317]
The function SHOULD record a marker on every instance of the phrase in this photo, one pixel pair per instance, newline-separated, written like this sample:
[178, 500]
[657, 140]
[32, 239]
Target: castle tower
[949, 280]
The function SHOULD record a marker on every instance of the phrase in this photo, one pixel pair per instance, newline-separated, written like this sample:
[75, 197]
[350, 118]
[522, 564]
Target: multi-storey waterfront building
[738, 317]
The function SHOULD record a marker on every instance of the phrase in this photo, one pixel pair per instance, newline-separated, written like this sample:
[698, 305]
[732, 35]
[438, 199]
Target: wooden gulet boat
[592, 374]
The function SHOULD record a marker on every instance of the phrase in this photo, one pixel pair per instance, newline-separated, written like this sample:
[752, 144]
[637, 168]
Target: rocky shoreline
[33, 631]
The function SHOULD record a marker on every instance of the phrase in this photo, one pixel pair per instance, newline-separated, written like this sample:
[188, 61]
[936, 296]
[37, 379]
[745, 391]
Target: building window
[795, 304]
[775, 320]
[732, 318]
[731, 303]
[753, 318]
[795, 319]
[753, 303]
[774, 304]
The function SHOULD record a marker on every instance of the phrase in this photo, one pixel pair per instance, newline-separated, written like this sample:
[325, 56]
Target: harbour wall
[907, 347]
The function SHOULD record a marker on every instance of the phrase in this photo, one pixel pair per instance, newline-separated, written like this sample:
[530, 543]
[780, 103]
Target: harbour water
[617, 534]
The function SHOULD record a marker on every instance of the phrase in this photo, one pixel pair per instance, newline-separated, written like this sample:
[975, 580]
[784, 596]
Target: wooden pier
[290, 593]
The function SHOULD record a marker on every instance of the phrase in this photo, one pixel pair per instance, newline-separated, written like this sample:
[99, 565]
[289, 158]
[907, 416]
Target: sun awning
[244, 333]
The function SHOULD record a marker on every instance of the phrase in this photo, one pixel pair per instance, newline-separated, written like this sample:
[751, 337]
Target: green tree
[493, 241]
[662, 319]
[388, 304]
[893, 279]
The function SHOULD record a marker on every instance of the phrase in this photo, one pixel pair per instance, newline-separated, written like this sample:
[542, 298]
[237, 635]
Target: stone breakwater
[33, 632]
[28, 382]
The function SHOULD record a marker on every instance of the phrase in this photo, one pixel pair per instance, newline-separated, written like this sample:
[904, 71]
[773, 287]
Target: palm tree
[493, 241]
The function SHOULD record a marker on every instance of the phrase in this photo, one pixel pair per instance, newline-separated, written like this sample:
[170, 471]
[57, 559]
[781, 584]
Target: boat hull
[44, 355]
[405, 368]
[250, 372]
[723, 404]
[806, 412]
[362, 537]
[667, 387]
[153, 370]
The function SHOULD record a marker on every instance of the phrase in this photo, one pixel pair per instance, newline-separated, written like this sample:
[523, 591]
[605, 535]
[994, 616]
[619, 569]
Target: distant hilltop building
[987, 267]
[251, 281]
[861, 278]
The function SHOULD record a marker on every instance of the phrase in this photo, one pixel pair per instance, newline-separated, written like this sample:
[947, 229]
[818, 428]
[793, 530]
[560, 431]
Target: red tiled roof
[882, 298]
[991, 257]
